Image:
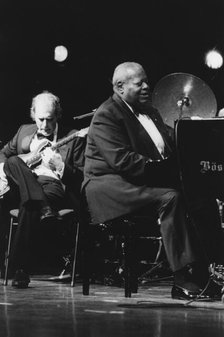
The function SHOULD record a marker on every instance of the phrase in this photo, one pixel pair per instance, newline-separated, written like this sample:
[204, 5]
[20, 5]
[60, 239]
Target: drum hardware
[182, 95]
[216, 272]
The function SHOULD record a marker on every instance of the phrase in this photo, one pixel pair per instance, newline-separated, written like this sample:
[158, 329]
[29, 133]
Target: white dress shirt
[151, 129]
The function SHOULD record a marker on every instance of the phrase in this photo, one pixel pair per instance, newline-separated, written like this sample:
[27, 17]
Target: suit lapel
[26, 137]
[157, 119]
[141, 141]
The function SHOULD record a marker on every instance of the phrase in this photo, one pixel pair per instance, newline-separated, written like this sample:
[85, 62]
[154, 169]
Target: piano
[200, 152]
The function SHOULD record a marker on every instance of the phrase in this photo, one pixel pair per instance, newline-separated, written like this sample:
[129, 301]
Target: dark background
[165, 36]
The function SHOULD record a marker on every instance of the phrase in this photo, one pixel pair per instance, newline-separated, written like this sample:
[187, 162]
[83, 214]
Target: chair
[127, 230]
[64, 214]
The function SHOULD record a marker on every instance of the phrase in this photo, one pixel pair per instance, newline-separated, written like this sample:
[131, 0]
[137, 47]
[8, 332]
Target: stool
[63, 213]
[126, 229]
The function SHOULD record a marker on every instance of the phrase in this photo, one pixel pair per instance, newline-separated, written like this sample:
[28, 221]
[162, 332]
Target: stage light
[60, 53]
[213, 59]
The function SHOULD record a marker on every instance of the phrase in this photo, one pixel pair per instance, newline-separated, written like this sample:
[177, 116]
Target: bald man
[130, 167]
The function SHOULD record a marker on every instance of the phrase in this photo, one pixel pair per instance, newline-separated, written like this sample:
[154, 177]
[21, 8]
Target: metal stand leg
[75, 256]
[8, 252]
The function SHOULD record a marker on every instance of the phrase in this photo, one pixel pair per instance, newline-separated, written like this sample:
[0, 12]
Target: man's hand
[52, 160]
[83, 132]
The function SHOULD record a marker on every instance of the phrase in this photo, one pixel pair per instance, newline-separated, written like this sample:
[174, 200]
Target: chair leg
[129, 256]
[86, 264]
[127, 270]
[130, 277]
[88, 237]
[75, 255]
[8, 252]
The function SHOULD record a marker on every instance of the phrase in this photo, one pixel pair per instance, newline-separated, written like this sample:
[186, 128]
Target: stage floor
[51, 309]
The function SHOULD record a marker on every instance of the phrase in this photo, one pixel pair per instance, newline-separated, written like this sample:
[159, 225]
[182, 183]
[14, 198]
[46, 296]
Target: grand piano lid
[180, 95]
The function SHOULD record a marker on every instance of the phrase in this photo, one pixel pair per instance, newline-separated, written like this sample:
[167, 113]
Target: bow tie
[41, 136]
[136, 113]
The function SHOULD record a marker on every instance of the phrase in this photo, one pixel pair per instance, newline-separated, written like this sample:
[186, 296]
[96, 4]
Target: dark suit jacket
[117, 172]
[71, 153]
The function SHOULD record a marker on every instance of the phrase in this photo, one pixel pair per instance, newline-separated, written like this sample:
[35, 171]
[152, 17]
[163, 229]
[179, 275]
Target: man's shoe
[21, 279]
[186, 286]
[48, 213]
[189, 292]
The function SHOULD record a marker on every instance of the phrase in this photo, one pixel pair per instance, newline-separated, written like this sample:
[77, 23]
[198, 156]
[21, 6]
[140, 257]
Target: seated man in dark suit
[130, 167]
[40, 186]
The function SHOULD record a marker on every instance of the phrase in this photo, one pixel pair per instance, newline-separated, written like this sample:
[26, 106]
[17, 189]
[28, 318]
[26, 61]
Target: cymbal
[181, 95]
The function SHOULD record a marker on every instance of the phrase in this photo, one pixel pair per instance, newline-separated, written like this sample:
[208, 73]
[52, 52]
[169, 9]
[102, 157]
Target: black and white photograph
[111, 168]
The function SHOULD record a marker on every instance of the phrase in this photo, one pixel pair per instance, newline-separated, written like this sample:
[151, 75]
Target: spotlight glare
[60, 53]
[214, 59]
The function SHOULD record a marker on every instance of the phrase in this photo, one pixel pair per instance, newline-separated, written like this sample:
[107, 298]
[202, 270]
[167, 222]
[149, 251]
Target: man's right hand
[52, 160]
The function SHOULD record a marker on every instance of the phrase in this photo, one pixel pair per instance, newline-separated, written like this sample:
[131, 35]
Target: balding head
[130, 83]
[124, 71]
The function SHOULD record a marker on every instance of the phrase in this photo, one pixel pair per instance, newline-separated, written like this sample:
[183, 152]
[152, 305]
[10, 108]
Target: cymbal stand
[183, 102]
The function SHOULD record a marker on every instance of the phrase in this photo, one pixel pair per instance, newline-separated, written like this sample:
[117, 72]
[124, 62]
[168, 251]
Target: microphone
[90, 114]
